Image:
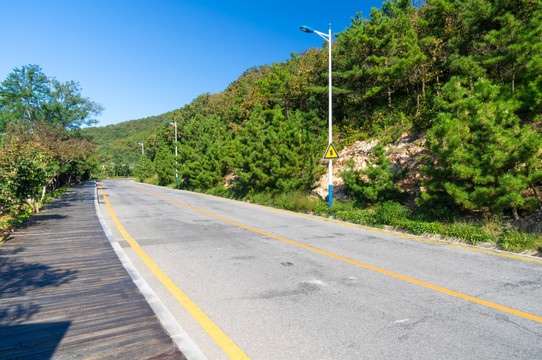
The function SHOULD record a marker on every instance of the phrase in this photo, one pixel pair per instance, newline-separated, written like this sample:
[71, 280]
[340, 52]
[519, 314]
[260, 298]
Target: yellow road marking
[440, 242]
[370, 267]
[229, 347]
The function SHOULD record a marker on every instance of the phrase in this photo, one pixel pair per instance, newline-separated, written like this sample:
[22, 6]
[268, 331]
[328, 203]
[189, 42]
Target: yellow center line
[411, 237]
[222, 340]
[370, 267]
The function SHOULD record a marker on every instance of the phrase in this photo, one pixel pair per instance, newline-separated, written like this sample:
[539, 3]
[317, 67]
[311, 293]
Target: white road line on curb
[181, 339]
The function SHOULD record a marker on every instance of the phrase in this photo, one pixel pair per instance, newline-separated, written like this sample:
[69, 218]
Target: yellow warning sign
[331, 153]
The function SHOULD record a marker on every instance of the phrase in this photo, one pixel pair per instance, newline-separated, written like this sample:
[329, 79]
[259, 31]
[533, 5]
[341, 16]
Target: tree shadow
[37, 219]
[31, 341]
[18, 278]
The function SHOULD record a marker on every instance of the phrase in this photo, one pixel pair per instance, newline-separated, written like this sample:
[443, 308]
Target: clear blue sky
[143, 58]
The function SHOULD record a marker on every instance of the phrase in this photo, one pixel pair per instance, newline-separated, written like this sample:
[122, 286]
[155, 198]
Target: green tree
[22, 173]
[145, 168]
[28, 96]
[396, 54]
[36, 113]
[164, 164]
[483, 155]
[206, 152]
[278, 152]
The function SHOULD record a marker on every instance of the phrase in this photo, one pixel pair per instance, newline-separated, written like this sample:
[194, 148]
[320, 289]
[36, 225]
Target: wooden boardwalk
[64, 294]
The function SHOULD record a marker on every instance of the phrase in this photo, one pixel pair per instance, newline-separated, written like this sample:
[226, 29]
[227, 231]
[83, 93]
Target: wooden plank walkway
[64, 294]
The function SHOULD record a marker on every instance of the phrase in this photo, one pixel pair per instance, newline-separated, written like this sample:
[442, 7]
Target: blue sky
[144, 58]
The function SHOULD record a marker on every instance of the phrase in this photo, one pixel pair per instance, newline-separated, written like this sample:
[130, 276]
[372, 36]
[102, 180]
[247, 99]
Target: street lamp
[176, 173]
[329, 39]
[142, 147]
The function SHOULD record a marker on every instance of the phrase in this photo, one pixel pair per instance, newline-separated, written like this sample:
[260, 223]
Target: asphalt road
[287, 286]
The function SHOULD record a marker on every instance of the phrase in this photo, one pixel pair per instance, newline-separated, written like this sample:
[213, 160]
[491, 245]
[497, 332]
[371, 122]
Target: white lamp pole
[176, 173]
[142, 147]
[329, 39]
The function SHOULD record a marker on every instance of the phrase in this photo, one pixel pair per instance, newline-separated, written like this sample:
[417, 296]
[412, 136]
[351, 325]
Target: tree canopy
[39, 150]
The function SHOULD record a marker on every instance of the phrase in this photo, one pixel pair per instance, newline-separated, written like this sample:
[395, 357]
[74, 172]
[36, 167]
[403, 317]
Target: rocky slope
[408, 151]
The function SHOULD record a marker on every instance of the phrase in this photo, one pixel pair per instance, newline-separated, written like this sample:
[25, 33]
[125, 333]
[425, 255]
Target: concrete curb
[185, 344]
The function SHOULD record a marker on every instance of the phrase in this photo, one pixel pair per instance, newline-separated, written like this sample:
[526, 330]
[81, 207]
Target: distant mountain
[117, 143]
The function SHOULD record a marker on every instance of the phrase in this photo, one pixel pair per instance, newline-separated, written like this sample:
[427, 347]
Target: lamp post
[176, 173]
[142, 147]
[329, 39]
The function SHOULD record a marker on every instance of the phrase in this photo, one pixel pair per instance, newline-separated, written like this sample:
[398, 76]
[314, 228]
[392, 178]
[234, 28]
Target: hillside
[466, 77]
[117, 151]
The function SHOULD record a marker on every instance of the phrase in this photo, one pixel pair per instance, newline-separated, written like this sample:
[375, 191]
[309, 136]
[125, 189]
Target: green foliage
[206, 152]
[278, 153]
[22, 173]
[358, 216]
[28, 96]
[511, 240]
[467, 232]
[165, 166]
[468, 73]
[419, 227]
[145, 168]
[40, 150]
[390, 212]
[374, 184]
[116, 143]
[480, 148]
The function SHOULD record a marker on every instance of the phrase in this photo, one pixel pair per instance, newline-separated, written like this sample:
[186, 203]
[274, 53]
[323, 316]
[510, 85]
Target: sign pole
[330, 40]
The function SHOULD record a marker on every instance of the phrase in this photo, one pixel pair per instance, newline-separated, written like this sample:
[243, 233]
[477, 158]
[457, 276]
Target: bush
[511, 240]
[320, 208]
[374, 184]
[358, 216]
[390, 213]
[418, 227]
[467, 232]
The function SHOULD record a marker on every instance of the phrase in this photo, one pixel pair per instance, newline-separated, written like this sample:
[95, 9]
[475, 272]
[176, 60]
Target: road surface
[249, 281]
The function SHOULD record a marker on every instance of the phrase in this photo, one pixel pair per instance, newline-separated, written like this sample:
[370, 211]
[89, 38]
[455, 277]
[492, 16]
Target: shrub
[418, 227]
[511, 240]
[390, 213]
[320, 208]
[467, 232]
[376, 183]
[357, 216]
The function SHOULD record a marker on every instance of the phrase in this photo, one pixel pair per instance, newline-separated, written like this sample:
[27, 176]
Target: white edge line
[181, 339]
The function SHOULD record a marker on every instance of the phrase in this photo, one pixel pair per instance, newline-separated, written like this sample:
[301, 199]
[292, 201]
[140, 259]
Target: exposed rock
[408, 151]
[230, 179]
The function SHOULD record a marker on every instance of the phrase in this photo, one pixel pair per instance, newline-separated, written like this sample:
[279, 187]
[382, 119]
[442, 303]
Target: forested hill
[117, 148]
[467, 73]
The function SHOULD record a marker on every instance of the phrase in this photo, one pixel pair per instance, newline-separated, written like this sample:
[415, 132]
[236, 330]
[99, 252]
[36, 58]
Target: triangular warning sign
[331, 153]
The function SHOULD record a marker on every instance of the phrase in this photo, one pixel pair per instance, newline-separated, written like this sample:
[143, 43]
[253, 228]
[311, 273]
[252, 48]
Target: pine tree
[481, 150]
[377, 183]
[145, 168]
[164, 164]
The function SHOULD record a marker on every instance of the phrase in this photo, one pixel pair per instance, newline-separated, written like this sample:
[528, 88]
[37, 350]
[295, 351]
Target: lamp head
[306, 29]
